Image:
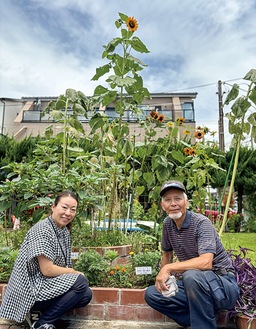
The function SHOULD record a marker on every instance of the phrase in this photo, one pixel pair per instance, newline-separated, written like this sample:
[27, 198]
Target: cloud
[49, 46]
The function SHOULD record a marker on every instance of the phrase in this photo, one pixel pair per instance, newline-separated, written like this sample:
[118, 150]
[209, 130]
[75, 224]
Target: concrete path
[96, 324]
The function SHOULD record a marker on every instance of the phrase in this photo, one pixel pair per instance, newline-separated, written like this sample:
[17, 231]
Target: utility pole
[221, 125]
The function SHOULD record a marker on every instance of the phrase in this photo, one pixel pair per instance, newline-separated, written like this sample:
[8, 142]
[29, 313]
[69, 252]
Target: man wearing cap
[208, 282]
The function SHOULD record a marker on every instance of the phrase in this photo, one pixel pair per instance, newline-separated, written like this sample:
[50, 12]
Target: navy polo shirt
[197, 236]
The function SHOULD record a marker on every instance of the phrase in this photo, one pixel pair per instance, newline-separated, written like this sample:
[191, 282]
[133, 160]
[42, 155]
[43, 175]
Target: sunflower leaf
[123, 17]
[251, 75]
[100, 71]
[232, 94]
[138, 45]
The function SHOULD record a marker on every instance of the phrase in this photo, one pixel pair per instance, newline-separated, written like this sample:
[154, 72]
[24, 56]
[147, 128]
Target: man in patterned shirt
[208, 282]
[43, 278]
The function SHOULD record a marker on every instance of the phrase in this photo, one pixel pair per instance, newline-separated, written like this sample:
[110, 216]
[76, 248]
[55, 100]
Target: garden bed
[113, 304]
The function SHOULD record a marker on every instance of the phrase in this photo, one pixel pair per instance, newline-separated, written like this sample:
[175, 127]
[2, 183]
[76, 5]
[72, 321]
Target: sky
[47, 46]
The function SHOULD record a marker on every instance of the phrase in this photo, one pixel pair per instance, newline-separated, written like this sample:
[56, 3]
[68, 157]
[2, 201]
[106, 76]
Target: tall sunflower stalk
[125, 90]
[239, 126]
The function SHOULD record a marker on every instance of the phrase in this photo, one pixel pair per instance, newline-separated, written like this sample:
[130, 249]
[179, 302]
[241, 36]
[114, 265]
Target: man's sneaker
[44, 326]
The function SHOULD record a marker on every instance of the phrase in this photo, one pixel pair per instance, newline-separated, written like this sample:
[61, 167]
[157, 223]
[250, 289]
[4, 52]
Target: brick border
[112, 304]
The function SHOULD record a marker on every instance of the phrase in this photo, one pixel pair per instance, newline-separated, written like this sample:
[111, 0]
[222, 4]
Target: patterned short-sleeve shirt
[196, 236]
[27, 284]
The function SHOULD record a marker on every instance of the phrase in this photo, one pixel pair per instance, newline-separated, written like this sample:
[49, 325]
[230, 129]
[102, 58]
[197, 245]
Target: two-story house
[22, 117]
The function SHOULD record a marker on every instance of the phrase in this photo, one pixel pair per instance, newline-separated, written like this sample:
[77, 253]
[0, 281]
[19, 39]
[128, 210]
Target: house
[22, 117]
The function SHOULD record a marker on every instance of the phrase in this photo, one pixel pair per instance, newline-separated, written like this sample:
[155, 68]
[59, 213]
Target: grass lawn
[244, 240]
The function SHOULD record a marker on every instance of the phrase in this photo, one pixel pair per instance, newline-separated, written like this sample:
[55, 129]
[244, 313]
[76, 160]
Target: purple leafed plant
[246, 278]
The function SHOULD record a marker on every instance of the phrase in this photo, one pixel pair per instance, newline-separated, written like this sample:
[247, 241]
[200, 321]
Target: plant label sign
[74, 255]
[142, 270]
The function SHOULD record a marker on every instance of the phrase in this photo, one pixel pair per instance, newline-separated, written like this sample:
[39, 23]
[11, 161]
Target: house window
[111, 113]
[188, 112]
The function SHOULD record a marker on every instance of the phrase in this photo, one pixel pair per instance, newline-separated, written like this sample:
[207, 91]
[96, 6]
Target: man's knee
[149, 294]
[193, 280]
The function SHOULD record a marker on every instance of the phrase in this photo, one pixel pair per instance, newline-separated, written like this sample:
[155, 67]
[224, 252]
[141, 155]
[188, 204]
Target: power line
[204, 85]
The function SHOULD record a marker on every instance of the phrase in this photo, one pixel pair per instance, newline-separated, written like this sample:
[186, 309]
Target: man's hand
[161, 279]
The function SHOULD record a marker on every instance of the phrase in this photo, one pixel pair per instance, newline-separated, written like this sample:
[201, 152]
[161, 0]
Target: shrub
[92, 265]
[7, 260]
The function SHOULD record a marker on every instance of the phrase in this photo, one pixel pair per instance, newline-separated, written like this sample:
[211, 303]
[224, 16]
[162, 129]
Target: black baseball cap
[170, 185]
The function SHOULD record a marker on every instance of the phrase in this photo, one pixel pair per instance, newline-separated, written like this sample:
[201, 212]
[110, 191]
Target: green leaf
[109, 98]
[118, 23]
[97, 121]
[121, 82]
[234, 129]
[71, 94]
[240, 107]
[232, 94]
[99, 90]
[252, 95]
[75, 149]
[251, 75]
[149, 178]
[112, 45]
[5, 205]
[120, 107]
[252, 119]
[136, 60]
[78, 108]
[57, 115]
[28, 195]
[76, 124]
[247, 128]
[139, 190]
[127, 148]
[61, 103]
[123, 17]
[138, 45]
[100, 71]
[159, 160]
[178, 155]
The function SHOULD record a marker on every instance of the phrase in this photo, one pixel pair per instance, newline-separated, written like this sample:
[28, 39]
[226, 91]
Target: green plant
[120, 276]
[7, 260]
[250, 224]
[234, 222]
[240, 126]
[110, 255]
[93, 266]
[146, 258]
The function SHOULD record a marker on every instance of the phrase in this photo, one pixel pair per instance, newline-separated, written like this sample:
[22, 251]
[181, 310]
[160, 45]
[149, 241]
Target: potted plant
[244, 310]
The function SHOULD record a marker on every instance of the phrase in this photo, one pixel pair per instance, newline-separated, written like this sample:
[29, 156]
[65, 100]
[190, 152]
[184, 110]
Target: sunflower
[132, 24]
[180, 121]
[161, 118]
[186, 150]
[154, 114]
[199, 134]
[192, 152]
[186, 132]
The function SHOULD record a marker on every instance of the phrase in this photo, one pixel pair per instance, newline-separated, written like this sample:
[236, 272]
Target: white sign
[74, 255]
[143, 270]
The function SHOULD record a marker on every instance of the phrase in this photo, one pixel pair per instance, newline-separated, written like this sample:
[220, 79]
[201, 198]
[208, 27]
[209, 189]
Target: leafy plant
[7, 260]
[246, 278]
[101, 273]
[93, 266]
[240, 126]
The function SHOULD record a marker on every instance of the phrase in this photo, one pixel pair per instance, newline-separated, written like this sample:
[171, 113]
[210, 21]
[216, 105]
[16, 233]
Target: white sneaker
[44, 326]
